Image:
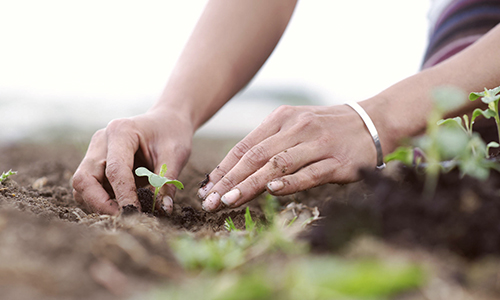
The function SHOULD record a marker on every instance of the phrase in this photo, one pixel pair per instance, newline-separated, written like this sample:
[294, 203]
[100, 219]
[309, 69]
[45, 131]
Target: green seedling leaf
[487, 96]
[402, 154]
[452, 122]
[229, 225]
[249, 223]
[448, 98]
[6, 175]
[491, 145]
[163, 170]
[158, 180]
[487, 113]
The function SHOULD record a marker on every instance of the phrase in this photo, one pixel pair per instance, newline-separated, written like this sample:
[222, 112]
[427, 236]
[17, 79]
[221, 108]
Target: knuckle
[79, 181]
[282, 112]
[285, 110]
[307, 119]
[227, 183]
[282, 162]
[120, 125]
[323, 141]
[240, 149]
[256, 156]
[112, 170]
[99, 134]
[315, 174]
[254, 183]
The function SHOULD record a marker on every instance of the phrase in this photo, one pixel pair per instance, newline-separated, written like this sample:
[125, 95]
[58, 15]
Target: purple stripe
[467, 19]
[452, 8]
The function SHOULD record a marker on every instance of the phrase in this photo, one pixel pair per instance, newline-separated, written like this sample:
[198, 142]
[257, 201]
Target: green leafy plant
[451, 142]
[490, 97]
[6, 175]
[250, 224]
[158, 180]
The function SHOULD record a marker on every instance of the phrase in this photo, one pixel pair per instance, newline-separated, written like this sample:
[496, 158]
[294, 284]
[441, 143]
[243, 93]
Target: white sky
[120, 53]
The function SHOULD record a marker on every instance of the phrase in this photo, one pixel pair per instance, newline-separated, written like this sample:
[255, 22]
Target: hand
[295, 148]
[105, 181]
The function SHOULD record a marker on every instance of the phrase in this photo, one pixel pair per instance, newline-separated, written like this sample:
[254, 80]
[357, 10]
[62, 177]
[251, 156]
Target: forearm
[402, 110]
[231, 41]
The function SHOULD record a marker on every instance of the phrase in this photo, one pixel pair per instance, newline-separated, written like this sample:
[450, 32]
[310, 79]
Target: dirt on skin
[51, 248]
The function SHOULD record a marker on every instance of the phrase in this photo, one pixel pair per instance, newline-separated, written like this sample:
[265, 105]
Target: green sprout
[490, 97]
[158, 180]
[6, 175]
[451, 142]
[249, 222]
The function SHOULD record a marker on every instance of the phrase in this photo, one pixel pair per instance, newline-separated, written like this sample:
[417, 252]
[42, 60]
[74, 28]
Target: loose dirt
[51, 248]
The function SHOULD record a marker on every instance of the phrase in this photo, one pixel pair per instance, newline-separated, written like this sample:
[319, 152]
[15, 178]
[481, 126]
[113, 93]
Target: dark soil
[51, 248]
[462, 216]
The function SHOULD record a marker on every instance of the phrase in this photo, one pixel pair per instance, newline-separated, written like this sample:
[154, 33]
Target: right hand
[104, 182]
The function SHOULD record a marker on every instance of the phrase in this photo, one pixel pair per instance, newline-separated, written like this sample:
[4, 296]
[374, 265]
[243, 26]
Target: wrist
[389, 128]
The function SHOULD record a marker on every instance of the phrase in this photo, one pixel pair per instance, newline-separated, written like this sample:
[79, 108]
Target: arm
[230, 43]
[297, 148]
[228, 46]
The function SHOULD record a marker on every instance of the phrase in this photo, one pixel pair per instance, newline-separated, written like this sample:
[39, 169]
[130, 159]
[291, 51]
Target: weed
[158, 180]
[7, 174]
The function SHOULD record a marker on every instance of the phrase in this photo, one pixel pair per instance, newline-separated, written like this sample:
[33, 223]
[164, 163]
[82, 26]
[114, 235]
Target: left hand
[294, 149]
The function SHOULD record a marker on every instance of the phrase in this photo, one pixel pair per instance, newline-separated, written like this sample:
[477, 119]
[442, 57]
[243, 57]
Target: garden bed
[52, 249]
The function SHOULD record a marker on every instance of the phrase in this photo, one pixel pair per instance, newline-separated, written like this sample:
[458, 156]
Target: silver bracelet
[373, 131]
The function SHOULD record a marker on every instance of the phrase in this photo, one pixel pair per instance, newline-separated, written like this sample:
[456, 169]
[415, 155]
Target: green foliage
[6, 175]
[490, 97]
[451, 142]
[402, 154]
[304, 278]
[158, 180]
[229, 224]
[250, 224]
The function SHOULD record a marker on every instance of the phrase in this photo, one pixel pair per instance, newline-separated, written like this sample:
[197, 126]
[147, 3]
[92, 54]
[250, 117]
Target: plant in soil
[157, 181]
[451, 142]
[267, 261]
[6, 175]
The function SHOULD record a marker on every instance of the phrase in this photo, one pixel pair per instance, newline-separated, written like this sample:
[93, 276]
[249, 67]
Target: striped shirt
[456, 24]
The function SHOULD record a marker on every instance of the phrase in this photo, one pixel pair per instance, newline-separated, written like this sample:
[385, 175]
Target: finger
[253, 160]
[321, 172]
[269, 127]
[123, 143]
[89, 177]
[88, 192]
[285, 162]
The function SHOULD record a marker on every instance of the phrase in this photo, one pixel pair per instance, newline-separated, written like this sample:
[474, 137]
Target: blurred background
[69, 67]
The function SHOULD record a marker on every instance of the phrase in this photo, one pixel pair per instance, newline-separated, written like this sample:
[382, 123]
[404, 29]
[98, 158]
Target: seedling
[249, 222]
[490, 97]
[6, 175]
[158, 180]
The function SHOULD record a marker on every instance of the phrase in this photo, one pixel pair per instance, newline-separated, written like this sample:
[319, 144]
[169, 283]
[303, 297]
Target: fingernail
[167, 205]
[212, 202]
[231, 197]
[202, 192]
[275, 185]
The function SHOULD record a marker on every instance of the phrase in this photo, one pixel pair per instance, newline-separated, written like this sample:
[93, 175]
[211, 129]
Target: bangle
[373, 131]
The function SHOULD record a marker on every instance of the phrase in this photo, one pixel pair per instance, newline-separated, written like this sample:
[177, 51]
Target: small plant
[6, 175]
[250, 224]
[158, 180]
[490, 97]
[450, 143]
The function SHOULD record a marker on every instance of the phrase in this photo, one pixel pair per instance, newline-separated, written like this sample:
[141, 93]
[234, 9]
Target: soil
[51, 248]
